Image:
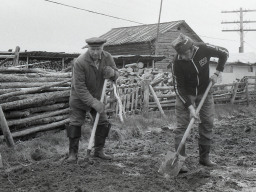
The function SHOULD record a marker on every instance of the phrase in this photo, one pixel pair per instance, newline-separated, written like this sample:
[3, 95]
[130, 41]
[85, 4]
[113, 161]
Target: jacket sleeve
[112, 64]
[79, 84]
[179, 84]
[219, 52]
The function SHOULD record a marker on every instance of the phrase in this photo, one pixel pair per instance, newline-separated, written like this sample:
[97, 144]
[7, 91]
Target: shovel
[173, 161]
[91, 141]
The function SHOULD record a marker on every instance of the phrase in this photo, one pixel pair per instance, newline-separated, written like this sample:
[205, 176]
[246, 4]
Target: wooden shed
[141, 40]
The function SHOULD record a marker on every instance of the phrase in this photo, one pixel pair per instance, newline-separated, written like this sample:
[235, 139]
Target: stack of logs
[34, 99]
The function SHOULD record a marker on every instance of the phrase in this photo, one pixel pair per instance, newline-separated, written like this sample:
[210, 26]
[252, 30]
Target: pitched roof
[141, 33]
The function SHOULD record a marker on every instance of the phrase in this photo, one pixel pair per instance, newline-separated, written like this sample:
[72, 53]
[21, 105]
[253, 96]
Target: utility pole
[241, 26]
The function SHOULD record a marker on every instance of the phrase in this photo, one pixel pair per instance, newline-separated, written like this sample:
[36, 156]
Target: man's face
[95, 51]
[187, 55]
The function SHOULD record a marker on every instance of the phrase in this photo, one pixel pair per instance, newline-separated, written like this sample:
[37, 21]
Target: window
[228, 69]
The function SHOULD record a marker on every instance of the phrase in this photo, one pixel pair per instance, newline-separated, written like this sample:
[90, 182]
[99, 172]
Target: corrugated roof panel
[136, 34]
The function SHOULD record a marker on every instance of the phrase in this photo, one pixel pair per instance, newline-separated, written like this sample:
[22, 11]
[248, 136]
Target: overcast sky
[38, 25]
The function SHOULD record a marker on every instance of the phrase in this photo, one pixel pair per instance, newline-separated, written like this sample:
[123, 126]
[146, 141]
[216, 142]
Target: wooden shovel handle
[91, 141]
[193, 119]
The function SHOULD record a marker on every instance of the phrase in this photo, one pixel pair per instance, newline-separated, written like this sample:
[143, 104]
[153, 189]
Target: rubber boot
[74, 134]
[73, 150]
[204, 151]
[184, 168]
[100, 138]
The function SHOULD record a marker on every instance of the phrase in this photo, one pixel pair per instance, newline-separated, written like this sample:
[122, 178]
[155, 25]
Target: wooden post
[234, 93]
[157, 101]
[27, 62]
[247, 92]
[5, 129]
[16, 56]
[63, 63]
[145, 108]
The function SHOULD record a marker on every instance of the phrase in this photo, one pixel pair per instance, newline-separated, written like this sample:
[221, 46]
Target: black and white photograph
[128, 96]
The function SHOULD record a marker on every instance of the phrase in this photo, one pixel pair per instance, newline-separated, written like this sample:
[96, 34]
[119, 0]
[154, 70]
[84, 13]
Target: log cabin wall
[130, 49]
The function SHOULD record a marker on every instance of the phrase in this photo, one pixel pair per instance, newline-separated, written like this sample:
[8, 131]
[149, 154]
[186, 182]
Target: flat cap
[95, 41]
[182, 43]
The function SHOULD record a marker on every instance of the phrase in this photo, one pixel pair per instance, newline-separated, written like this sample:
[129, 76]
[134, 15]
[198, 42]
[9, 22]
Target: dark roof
[142, 33]
[43, 54]
[137, 58]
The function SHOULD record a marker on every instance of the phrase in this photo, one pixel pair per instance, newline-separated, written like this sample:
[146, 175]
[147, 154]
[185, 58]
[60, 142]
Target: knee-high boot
[74, 134]
[204, 151]
[99, 143]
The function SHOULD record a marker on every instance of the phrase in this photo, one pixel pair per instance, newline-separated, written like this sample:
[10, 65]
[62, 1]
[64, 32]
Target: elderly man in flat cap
[89, 71]
[191, 78]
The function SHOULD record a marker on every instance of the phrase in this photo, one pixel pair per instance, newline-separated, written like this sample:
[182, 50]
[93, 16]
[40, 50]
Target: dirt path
[136, 162]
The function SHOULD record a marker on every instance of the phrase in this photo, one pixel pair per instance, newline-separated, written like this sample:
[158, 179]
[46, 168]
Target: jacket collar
[89, 59]
[194, 53]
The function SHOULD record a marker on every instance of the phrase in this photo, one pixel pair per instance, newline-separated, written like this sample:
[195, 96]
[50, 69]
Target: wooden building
[141, 40]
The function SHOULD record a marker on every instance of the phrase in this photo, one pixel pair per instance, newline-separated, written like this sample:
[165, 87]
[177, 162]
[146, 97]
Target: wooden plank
[247, 93]
[5, 129]
[234, 94]
[145, 108]
[16, 56]
[156, 100]
[7, 56]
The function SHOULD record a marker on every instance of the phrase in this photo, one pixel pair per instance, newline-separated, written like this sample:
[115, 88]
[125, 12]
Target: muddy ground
[136, 162]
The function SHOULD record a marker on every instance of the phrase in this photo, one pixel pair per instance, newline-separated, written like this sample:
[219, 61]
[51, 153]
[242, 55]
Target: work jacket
[87, 80]
[192, 77]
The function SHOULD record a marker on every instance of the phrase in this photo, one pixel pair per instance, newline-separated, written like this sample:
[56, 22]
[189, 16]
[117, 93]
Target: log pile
[34, 99]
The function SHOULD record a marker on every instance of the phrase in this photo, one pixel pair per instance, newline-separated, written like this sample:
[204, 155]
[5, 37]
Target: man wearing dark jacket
[191, 78]
[89, 71]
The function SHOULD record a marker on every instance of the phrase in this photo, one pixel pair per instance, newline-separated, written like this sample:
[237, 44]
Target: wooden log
[32, 90]
[5, 129]
[58, 74]
[42, 121]
[16, 78]
[234, 94]
[47, 108]
[16, 114]
[7, 56]
[39, 128]
[32, 64]
[36, 117]
[30, 102]
[28, 84]
[157, 101]
[16, 70]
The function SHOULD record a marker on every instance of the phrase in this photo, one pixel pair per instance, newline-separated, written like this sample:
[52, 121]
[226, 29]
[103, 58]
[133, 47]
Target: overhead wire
[90, 11]
[115, 17]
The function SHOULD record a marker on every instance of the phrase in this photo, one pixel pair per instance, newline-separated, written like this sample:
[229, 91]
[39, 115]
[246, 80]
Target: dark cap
[182, 44]
[95, 41]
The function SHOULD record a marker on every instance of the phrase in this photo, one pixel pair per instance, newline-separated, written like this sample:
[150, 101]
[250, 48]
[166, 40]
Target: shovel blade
[171, 165]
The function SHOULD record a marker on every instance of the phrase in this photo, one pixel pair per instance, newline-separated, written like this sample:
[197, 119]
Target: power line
[241, 28]
[92, 11]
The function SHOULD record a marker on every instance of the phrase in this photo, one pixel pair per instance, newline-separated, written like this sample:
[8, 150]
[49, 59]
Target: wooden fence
[137, 98]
